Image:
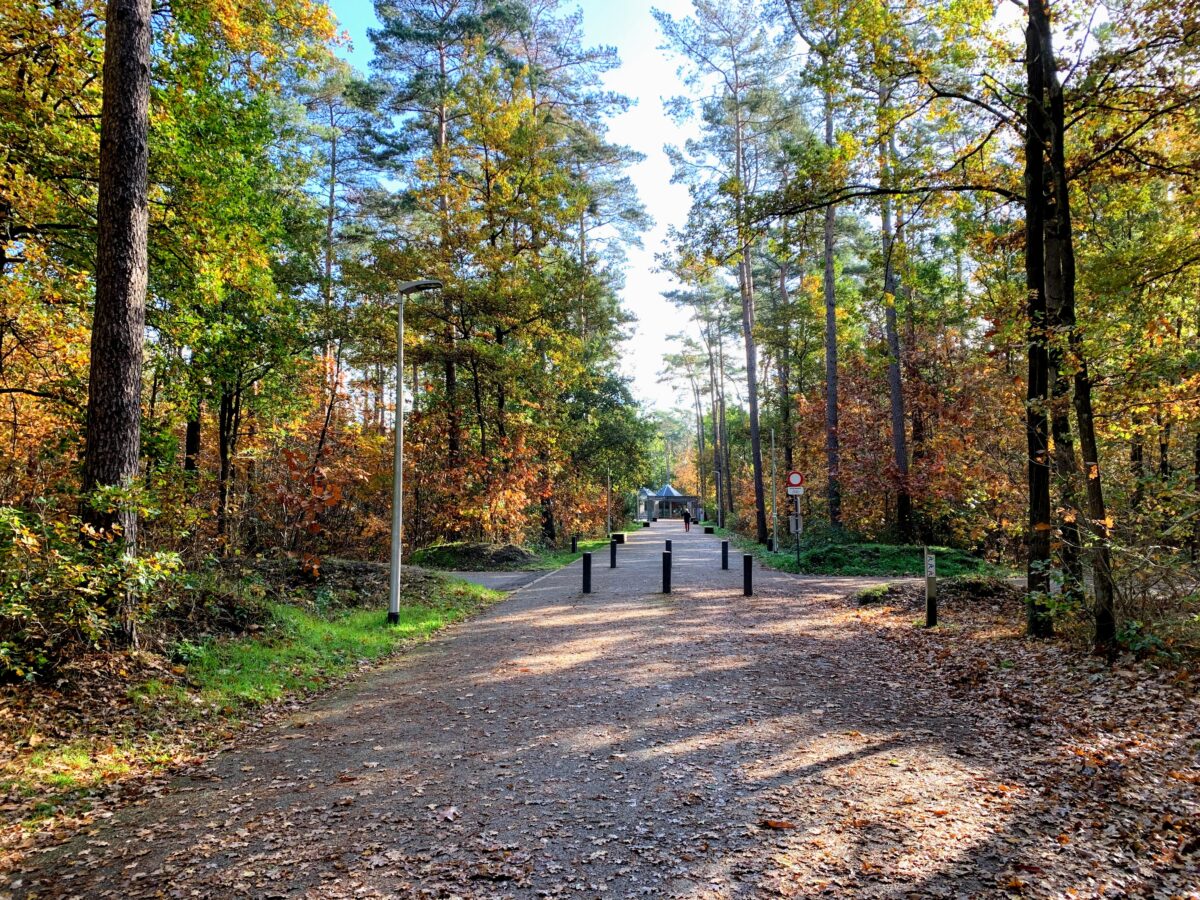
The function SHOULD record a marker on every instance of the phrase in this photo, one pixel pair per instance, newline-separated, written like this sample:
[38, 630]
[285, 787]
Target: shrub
[60, 582]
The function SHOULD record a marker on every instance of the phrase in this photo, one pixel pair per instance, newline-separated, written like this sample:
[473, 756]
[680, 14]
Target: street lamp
[408, 287]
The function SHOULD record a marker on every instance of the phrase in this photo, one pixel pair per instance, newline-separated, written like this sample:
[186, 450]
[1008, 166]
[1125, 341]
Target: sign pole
[799, 529]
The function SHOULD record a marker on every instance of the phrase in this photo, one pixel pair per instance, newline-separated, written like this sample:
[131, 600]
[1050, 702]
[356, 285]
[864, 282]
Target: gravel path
[620, 744]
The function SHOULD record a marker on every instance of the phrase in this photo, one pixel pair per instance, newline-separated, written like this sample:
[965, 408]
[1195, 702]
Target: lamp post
[408, 287]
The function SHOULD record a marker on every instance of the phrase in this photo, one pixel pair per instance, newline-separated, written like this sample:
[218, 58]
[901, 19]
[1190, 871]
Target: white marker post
[931, 610]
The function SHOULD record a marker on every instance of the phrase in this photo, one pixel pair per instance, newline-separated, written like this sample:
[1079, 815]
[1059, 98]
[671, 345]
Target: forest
[941, 257]
[947, 253]
[285, 198]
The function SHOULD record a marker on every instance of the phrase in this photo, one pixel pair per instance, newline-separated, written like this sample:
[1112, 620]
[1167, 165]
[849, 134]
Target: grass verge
[863, 559]
[161, 711]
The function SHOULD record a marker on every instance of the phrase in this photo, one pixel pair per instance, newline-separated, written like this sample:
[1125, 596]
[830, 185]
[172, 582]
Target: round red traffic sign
[795, 479]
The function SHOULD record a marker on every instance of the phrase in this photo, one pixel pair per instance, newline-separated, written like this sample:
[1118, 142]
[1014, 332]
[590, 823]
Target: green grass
[829, 557]
[303, 650]
[299, 652]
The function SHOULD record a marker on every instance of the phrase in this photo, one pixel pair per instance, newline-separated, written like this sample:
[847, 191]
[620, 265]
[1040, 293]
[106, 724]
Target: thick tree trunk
[119, 322]
[1066, 468]
[1060, 229]
[833, 487]
[1037, 423]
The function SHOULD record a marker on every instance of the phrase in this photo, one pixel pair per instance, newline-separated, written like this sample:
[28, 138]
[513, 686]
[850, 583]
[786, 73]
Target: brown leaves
[776, 824]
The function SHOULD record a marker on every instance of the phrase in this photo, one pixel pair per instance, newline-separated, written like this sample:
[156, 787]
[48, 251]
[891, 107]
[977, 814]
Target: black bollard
[724, 554]
[748, 575]
[574, 543]
[587, 573]
[668, 546]
[708, 529]
[612, 553]
[666, 571]
[770, 545]
[645, 524]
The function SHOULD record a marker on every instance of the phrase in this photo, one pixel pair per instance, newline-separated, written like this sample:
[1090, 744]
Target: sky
[647, 76]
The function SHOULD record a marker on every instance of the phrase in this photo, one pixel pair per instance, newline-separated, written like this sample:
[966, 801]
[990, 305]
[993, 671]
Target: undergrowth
[118, 717]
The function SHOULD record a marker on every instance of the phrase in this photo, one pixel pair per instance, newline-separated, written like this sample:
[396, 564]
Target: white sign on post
[930, 565]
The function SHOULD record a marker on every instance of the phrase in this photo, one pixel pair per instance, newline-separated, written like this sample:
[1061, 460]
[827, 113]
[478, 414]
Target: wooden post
[931, 608]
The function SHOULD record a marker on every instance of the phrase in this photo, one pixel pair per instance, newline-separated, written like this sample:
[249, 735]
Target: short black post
[748, 575]
[587, 573]
[645, 524]
[612, 553]
[668, 546]
[574, 543]
[724, 554]
[770, 545]
[666, 571]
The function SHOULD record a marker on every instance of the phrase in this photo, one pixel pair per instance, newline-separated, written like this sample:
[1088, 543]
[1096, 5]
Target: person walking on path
[687, 519]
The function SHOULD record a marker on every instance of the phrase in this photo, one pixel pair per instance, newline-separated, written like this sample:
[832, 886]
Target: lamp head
[424, 284]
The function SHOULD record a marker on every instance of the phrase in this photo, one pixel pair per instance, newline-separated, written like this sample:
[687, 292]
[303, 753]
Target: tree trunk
[730, 506]
[1195, 549]
[891, 290]
[833, 487]
[1066, 468]
[747, 285]
[716, 427]
[785, 376]
[700, 448]
[1137, 466]
[1037, 424]
[1061, 234]
[228, 420]
[119, 322]
[191, 441]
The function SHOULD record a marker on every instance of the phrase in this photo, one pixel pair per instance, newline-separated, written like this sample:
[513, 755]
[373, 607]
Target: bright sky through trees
[647, 76]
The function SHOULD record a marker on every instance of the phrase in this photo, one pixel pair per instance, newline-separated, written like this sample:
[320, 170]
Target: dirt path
[622, 744]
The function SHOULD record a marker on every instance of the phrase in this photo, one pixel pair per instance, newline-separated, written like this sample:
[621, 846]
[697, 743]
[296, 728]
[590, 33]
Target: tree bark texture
[119, 322]
[1037, 423]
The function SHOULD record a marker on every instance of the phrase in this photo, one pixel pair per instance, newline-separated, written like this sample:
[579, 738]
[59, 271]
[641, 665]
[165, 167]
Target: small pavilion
[667, 503]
